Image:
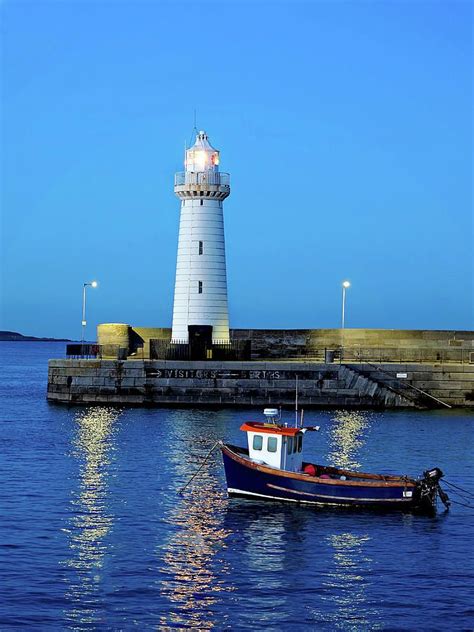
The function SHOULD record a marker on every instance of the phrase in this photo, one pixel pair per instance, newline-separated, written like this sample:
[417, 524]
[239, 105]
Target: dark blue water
[95, 536]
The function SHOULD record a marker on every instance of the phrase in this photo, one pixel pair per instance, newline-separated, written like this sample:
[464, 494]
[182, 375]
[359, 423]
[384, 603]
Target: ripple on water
[94, 534]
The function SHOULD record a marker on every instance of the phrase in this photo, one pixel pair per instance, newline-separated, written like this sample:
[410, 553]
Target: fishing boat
[272, 467]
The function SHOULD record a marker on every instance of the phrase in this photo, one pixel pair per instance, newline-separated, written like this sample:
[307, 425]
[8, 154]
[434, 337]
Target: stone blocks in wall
[136, 382]
[272, 344]
[369, 344]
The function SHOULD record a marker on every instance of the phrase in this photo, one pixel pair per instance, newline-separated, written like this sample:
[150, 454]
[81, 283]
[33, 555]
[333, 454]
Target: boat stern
[428, 489]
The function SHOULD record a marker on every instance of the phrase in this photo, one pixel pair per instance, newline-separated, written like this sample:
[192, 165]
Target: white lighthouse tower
[200, 295]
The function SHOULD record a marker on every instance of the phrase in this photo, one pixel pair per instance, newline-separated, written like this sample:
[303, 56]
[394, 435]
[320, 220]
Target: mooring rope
[466, 498]
[461, 489]
[456, 502]
[180, 491]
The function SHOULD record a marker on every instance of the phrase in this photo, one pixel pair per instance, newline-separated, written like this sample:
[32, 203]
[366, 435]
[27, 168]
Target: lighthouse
[200, 294]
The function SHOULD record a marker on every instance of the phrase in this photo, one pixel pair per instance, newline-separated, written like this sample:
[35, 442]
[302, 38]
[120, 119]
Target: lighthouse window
[199, 287]
[272, 444]
[257, 442]
[200, 247]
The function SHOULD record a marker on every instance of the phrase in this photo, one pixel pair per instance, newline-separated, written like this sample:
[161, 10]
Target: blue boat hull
[246, 478]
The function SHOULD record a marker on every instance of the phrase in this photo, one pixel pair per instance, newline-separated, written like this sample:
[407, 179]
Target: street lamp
[345, 285]
[84, 322]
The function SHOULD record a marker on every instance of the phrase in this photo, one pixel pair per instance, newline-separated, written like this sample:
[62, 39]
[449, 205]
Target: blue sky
[346, 127]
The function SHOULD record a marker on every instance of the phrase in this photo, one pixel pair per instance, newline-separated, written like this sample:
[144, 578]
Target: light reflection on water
[193, 571]
[91, 520]
[265, 552]
[347, 582]
[348, 434]
[264, 537]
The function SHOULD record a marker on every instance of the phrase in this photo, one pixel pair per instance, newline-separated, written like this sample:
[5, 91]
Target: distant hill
[13, 336]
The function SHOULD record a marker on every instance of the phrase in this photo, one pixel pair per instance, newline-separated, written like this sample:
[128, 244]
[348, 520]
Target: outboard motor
[429, 488]
[433, 475]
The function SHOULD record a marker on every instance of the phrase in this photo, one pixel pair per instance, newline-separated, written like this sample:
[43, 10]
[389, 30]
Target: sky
[346, 128]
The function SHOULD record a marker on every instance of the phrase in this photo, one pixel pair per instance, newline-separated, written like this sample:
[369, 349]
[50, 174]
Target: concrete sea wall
[154, 383]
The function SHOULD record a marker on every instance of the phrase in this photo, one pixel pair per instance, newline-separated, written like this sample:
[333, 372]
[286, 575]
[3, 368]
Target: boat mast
[296, 403]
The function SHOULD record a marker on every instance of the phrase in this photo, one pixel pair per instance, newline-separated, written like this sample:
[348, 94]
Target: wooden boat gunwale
[370, 480]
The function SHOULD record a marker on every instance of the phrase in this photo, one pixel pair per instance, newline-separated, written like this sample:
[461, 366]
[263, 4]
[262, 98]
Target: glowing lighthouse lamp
[200, 295]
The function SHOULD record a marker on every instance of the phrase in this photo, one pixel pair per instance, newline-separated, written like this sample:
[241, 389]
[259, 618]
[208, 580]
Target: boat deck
[328, 473]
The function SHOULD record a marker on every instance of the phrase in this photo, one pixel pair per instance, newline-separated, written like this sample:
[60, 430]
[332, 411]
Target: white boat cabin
[275, 444]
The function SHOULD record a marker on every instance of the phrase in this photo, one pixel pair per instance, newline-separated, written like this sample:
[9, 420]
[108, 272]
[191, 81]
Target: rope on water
[459, 495]
[180, 491]
[456, 502]
[461, 489]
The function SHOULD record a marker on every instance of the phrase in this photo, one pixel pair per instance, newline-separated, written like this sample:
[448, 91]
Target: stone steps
[378, 391]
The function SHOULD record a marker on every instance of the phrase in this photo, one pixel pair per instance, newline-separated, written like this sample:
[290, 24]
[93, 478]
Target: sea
[95, 534]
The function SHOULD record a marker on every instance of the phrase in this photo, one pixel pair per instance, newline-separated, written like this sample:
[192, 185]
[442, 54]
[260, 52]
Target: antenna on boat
[296, 403]
[273, 415]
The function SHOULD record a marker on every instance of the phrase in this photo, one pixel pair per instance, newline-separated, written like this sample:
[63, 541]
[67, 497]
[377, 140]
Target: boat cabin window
[299, 439]
[290, 445]
[257, 442]
[272, 444]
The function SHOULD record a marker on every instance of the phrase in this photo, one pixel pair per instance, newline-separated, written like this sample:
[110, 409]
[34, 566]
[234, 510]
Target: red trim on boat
[255, 426]
[366, 480]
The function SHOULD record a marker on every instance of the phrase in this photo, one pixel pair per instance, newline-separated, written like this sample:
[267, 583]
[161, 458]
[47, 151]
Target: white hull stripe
[233, 490]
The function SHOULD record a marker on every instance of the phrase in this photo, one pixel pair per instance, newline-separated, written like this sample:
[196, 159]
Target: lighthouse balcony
[202, 184]
[215, 178]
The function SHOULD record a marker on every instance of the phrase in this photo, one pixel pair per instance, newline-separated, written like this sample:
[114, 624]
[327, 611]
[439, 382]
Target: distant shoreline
[14, 336]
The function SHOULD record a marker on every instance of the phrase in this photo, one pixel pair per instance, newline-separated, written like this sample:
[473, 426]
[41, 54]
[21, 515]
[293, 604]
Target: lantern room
[202, 156]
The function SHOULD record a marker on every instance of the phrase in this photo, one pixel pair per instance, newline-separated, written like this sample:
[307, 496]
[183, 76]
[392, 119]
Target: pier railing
[166, 350]
[242, 350]
[84, 350]
[221, 351]
[404, 355]
[380, 355]
[87, 351]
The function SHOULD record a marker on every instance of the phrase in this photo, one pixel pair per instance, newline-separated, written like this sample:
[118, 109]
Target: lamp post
[345, 285]
[84, 322]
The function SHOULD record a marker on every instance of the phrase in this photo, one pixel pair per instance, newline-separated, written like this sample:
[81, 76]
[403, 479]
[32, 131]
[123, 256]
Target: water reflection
[347, 438]
[193, 571]
[346, 584]
[265, 545]
[91, 520]
[269, 541]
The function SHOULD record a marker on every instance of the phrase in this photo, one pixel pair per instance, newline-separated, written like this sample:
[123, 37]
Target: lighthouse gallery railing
[201, 177]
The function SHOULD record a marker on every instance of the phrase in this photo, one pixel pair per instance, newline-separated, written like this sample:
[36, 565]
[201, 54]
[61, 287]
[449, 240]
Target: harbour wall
[155, 383]
[281, 344]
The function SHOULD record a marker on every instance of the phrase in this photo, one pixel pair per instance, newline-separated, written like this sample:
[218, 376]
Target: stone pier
[159, 382]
